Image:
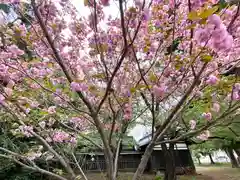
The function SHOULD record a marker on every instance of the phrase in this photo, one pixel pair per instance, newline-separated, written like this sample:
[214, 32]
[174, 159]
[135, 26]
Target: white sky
[112, 9]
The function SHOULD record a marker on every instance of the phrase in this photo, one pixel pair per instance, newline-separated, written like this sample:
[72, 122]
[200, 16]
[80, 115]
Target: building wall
[129, 161]
[182, 159]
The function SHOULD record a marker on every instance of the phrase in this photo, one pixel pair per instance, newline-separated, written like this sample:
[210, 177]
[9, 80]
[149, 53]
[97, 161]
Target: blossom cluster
[204, 135]
[79, 123]
[127, 112]
[63, 137]
[215, 35]
[26, 130]
[236, 92]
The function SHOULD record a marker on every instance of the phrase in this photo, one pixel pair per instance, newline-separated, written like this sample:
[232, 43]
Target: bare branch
[123, 23]
[79, 168]
[161, 131]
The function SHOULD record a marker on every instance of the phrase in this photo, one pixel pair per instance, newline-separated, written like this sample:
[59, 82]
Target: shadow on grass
[128, 176]
[214, 165]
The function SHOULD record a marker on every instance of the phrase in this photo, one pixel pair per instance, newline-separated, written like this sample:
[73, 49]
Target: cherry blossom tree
[63, 74]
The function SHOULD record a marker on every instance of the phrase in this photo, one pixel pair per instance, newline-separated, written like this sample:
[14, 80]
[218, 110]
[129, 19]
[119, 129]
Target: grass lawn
[205, 173]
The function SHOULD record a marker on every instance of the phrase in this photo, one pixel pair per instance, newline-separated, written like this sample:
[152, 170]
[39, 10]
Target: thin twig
[79, 168]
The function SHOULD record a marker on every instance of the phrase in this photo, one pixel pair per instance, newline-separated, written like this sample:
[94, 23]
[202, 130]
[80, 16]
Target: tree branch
[161, 131]
[34, 168]
[79, 168]
[56, 53]
[234, 19]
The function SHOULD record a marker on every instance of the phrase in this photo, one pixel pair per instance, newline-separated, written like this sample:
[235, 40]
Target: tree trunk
[199, 162]
[170, 167]
[211, 159]
[117, 153]
[109, 164]
[232, 157]
[238, 153]
[144, 161]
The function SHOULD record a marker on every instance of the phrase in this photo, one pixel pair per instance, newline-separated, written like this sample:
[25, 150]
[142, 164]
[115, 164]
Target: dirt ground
[219, 173]
[204, 173]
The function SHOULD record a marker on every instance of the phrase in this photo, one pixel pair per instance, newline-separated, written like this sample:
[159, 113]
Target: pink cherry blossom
[127, 116]
[2, 98]
[192, 124]
[15, 51]
[26, 130]
[212, 80]
[8, 91]
[216, 107]
[58, 100]
[204, 136]
[201, 36]
[225, 45]
[146, 14]
[35, 86]
[34, 104]
[207, 116]
[237, 86]
[79, 86]
[165, 8]
[138, 4]
[219, 35]
[9, 1]
[22, 29]
[76, 121]
[52, 110]
[235, 95]
[172, 3]
[127, 112]
[73, 140]
[27, 110]
[105, 2]
[159, 91]
[215, 19]
[11, 84]
[60, 136]
[79, 123]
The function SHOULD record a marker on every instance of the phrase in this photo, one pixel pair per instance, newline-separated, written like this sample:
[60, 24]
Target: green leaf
[74, 96]
[99, 76]
[152, 77]
[178, 65]
[193, 15]
[5, 8]
[222, 4]
[192, 26]
[206, 58]
[208, 12]
[133, 90]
